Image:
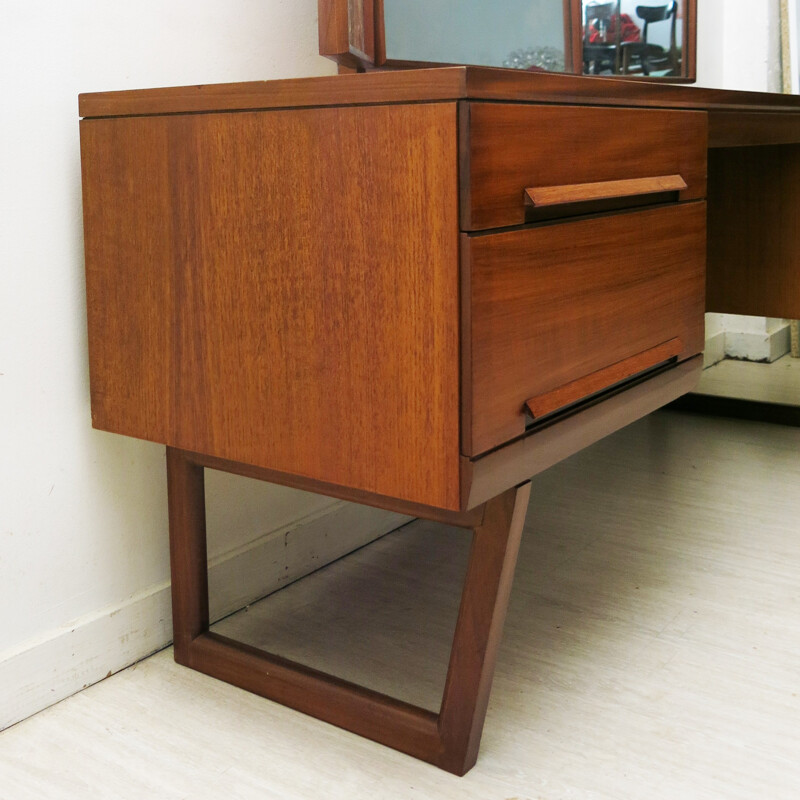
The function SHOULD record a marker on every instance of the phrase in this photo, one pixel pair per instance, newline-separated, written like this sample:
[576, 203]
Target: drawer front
[507, 149]
[559, 312]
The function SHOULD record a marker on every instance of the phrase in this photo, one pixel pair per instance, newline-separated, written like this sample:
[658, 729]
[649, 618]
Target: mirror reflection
[527, 34]
[626, 37]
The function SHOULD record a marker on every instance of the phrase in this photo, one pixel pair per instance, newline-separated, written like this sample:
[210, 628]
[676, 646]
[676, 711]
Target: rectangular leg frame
[449, 739]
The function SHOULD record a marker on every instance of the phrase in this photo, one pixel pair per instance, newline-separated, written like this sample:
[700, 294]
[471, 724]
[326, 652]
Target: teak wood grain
[188, 553]
[479, 628]
[261, 297]
[742, 129]
[543, 447]
[510, 148]
[362, 29]
[544, 404]
[549, 305]
[753, 232]
[449, 739]
[604, 190]
[351, 31]
[334, 33]
[513, 85]
[463, 519]
[428, 85]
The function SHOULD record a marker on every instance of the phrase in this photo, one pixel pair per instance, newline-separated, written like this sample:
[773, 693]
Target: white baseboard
[714, 351]
[749, 346]
[55, 666]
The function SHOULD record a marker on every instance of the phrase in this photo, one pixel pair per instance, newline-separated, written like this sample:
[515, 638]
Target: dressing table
[414, 290]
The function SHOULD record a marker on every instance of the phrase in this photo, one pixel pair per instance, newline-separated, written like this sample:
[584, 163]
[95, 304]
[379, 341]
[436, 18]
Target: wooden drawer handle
[569, 393]
[604, 190]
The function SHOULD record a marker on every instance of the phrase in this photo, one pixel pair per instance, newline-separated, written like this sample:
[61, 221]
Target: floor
[652, 650]
[778, 382]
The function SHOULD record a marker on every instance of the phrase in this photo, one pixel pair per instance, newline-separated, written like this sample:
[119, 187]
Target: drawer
[555, 313]
[506, 149]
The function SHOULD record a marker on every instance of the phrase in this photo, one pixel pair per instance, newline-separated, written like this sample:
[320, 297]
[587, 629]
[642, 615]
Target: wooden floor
[652, 650]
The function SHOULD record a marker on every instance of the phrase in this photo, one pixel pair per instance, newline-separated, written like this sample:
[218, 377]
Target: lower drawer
[555, 313]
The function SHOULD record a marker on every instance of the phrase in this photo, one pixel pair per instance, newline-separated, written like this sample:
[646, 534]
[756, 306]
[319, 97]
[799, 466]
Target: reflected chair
[644, 57]
[601, 21]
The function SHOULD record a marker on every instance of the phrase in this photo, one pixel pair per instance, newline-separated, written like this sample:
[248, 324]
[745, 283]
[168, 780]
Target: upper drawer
[508, 148]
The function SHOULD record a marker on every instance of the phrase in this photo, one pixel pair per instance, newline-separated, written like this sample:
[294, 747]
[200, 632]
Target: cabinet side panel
[283, 288]
[128, 236]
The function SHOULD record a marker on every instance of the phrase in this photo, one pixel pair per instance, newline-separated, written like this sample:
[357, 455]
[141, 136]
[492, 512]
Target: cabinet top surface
[427, 85]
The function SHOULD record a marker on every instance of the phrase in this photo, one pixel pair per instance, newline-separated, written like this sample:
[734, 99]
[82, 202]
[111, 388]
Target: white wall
[794, 44]
[83, 528]
[738, 44]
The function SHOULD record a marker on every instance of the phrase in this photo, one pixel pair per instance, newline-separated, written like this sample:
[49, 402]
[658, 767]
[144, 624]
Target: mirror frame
[352, 33]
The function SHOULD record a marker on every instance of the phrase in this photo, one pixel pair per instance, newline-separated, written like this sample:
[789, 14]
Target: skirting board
[714, 350]
[749, 346]
[63, 662]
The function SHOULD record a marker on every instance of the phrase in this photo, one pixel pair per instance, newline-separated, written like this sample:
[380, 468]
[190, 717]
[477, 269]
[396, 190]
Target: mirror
[526, 33]
[637, 39]
[634, 38]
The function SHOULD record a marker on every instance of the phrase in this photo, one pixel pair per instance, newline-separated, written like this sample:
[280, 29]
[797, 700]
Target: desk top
[426, 85]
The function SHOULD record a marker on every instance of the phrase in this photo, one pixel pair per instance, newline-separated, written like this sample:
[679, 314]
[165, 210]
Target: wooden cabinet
[289, 288]
[280, 288]
[413, 290]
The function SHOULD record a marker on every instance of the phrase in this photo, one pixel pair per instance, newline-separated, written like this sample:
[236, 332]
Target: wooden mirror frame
[352, 33]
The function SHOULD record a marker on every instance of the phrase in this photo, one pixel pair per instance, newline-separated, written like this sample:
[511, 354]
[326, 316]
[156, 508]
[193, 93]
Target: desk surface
[420, 85]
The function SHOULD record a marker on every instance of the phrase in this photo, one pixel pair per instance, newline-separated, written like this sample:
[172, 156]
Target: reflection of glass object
[547, 58]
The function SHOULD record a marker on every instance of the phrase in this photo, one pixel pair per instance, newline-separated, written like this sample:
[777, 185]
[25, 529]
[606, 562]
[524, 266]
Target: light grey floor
[778, 382]
[652, 651]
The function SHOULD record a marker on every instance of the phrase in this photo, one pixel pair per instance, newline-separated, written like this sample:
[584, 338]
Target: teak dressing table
[415, 290]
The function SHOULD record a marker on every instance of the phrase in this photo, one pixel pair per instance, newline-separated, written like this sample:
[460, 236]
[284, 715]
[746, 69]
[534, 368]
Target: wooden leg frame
[449, 739]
